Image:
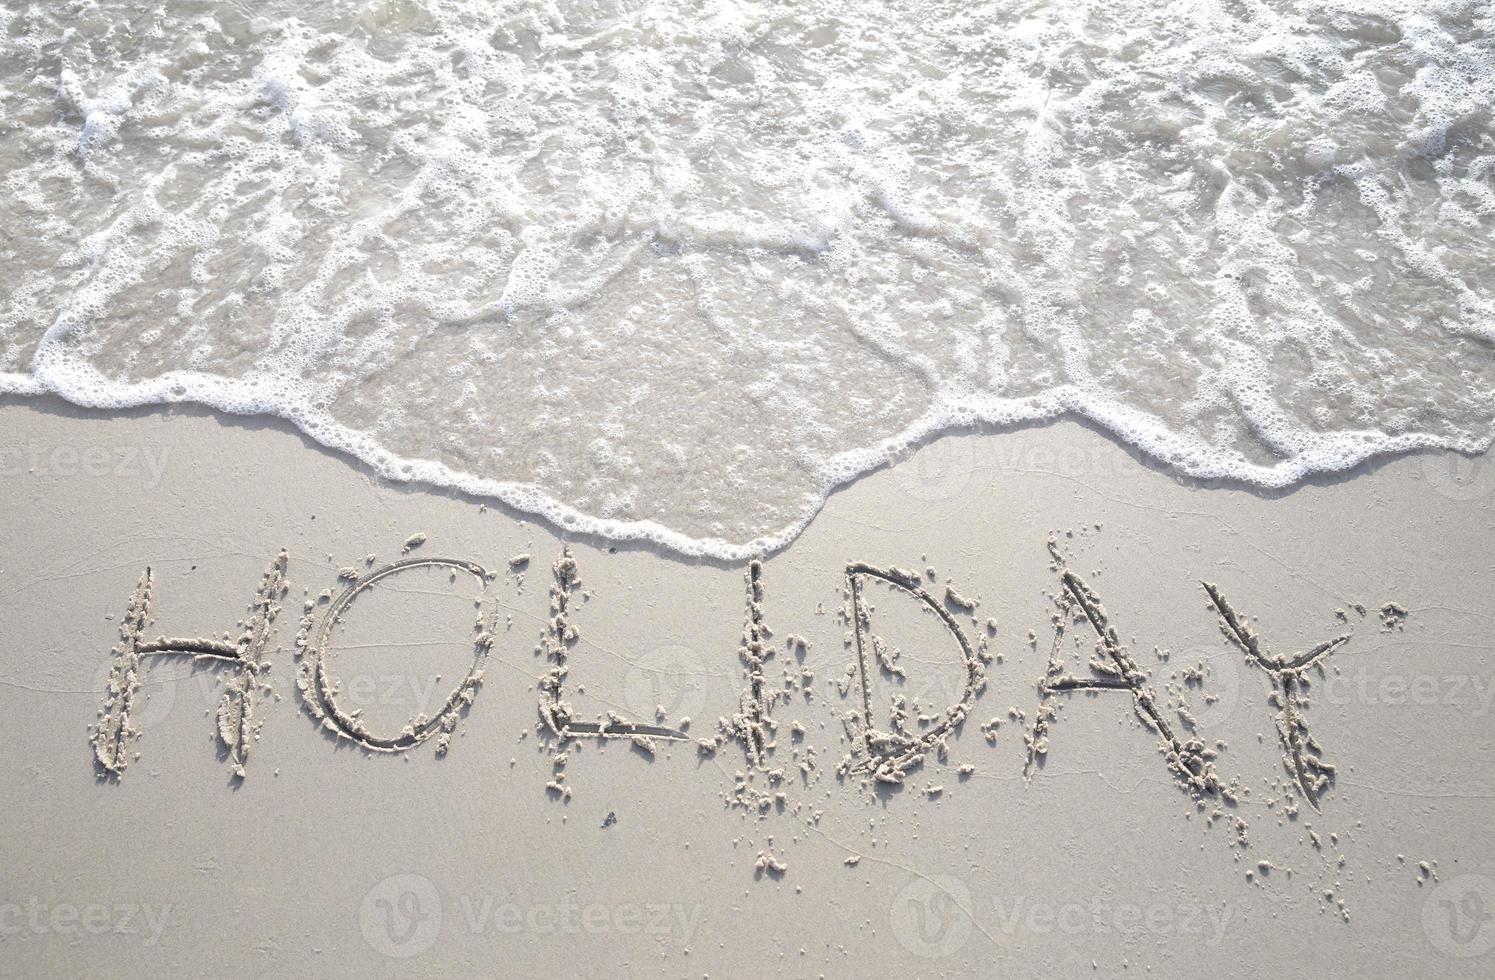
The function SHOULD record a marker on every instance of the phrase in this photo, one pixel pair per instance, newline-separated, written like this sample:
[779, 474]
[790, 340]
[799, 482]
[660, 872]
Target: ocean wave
[676, 271]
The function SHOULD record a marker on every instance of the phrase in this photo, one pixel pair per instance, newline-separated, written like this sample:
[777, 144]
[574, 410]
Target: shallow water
[677, 270]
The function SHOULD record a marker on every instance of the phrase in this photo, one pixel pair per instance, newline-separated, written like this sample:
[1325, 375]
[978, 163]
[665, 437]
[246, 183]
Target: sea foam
[676, 271]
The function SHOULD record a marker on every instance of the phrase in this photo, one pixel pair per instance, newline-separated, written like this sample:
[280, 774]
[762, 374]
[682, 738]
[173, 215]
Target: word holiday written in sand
[884, 755]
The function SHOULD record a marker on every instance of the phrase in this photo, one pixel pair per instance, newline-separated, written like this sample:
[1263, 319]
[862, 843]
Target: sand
[1119, 725]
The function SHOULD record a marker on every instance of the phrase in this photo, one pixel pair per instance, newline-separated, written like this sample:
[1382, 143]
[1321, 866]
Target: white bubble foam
[659, 275]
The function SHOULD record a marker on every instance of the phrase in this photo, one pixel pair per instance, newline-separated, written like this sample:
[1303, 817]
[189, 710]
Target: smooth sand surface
[673, 858]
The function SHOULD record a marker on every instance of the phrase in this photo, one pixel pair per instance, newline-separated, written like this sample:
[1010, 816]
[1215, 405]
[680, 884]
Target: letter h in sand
[114, 737]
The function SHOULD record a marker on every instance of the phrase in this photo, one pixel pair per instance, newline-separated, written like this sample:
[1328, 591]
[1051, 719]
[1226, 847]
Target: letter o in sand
[320, 694]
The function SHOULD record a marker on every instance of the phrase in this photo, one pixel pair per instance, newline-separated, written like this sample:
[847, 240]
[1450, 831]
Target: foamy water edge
[231, 396]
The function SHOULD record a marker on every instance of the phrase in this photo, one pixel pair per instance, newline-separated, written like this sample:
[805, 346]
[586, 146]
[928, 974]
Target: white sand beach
[674, 858]
[740, 488]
